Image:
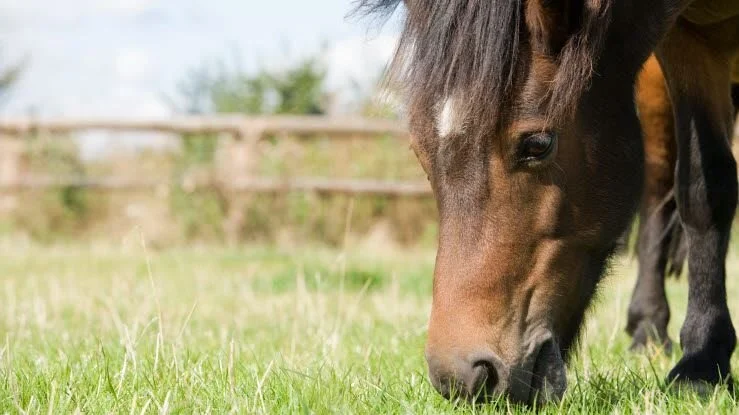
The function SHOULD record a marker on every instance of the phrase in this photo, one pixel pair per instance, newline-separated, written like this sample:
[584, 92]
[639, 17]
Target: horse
[661, 245]
[522, 115]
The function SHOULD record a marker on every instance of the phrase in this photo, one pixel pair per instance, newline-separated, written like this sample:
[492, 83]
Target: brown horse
[661, 246]
[522, 114]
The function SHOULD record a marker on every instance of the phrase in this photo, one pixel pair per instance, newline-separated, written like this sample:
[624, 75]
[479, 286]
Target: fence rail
[237, 126]
[354, 187]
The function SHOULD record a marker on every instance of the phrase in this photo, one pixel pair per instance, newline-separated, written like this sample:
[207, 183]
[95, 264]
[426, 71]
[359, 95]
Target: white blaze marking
[449, 121]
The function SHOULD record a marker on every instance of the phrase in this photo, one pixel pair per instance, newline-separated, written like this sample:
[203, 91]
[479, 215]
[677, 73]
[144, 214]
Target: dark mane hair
[470, 49]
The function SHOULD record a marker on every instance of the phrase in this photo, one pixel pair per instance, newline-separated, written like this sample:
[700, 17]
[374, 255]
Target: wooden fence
[245, 130]
[238, 126]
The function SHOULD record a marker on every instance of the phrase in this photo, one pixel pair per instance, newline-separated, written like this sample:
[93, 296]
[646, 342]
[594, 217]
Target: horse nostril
[478, 378]
[484, 379]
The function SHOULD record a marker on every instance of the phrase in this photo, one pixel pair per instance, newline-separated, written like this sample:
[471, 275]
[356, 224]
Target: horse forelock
[475, 51]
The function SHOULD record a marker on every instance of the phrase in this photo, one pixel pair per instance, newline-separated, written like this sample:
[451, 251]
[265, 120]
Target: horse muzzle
[481, 376]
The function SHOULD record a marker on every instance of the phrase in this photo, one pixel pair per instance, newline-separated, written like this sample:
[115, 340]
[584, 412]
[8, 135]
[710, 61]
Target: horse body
[522, 114]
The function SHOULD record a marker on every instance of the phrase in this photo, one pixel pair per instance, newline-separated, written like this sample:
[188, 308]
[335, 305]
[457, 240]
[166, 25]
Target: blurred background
[121, 115]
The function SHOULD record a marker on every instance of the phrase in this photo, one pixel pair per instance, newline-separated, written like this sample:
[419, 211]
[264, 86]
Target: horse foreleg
[698, 76]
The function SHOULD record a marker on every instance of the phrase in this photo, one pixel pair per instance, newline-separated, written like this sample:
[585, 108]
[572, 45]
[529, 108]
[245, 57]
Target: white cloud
[132, 64]
[38, 12]
[359, 58]
[355, 66]
[126, 6]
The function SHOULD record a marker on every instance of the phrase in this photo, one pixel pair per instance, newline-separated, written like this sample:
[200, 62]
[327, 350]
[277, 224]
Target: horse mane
[470, 49]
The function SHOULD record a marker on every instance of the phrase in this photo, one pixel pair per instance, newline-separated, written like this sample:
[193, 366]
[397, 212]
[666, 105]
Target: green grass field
[126, 329]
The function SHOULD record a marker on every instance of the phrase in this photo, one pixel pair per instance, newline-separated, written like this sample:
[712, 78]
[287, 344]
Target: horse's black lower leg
[706, 196]
[649, 312]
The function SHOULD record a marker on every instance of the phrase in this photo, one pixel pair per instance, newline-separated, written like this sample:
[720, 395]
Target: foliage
[48, 213]
[9, 76]
[298, 89]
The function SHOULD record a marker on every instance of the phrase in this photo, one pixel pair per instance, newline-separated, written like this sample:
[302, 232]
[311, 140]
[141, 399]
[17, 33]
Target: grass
[124, 329]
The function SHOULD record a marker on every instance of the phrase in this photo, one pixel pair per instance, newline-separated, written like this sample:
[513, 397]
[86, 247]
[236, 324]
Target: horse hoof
[700, 376]
[699, 387]
[645, 338]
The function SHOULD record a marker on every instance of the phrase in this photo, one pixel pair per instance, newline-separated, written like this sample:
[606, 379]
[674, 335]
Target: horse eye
[537, 146]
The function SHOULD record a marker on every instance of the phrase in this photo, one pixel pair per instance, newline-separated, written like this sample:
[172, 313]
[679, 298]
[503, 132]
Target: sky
[124, 57]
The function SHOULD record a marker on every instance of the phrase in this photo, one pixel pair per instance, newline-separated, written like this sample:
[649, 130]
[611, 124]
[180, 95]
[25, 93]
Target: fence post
[237, 158]
[11, 171]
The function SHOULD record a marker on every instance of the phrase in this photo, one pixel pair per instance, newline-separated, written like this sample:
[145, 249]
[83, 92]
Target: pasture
[127, 329]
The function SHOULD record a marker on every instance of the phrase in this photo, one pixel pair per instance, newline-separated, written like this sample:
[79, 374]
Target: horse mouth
[548, 375]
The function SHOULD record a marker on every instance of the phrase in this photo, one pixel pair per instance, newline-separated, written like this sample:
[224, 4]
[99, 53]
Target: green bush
[67, 210]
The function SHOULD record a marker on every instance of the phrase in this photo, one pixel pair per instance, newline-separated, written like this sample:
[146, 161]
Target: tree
[9, 77]
[298, 89]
